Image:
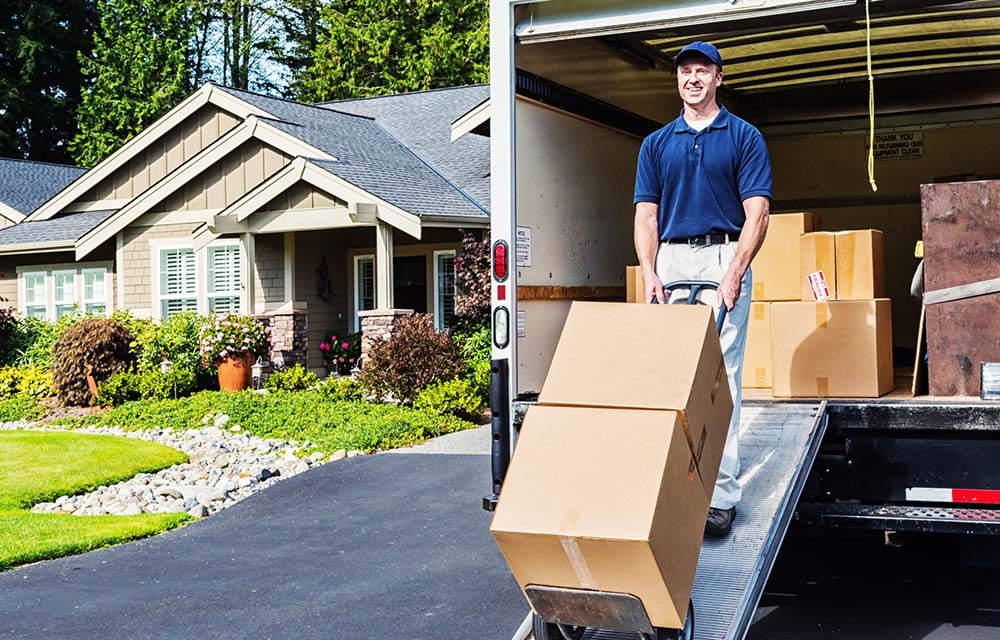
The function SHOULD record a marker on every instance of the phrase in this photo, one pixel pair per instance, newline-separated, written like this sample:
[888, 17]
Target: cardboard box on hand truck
[613, 471]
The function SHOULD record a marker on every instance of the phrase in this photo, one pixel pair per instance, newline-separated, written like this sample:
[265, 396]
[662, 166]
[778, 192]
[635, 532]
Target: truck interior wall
[826, 172]
[575, 182]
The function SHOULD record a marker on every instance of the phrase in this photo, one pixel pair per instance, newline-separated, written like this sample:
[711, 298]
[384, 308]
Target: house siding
[196, 132]
[269, 272]
[137, 270]
[227, 180]
[324, 315]
[303, 196]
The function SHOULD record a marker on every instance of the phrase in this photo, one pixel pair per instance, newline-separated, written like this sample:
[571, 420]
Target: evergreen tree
[376, 47]
[40, 77]
[139, 69]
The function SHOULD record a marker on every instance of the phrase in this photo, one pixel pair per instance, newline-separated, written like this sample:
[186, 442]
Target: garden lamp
[256, 371]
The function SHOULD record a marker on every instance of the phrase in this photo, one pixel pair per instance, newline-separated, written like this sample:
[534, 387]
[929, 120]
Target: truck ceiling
[774, 48]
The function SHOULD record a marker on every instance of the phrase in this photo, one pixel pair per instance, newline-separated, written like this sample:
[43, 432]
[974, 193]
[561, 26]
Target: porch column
[289, 267]
[383, 265]
[248, 271]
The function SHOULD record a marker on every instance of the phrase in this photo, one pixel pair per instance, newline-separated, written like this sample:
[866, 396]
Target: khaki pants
[684, 262]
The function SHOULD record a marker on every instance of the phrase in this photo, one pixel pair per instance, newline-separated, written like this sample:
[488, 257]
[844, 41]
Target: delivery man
[702, 197]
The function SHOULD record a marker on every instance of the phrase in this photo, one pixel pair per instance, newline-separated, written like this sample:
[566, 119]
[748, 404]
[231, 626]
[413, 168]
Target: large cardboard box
[757, 356]
[604, 499]
[860, 265]
[817, 252]
[633, 284]
[833, 349]
[776, 266]
[647, 356]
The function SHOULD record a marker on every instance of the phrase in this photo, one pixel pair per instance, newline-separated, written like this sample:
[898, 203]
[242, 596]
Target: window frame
[200, 269]
[49, 273]
[438, 314]
[238, 292]
[357, 287]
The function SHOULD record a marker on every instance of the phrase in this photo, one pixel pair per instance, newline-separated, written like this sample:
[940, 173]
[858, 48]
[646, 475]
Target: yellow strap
[871, 99]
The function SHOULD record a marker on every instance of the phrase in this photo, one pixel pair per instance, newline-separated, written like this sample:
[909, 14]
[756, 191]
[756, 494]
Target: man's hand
[729, 289]
[652, 287]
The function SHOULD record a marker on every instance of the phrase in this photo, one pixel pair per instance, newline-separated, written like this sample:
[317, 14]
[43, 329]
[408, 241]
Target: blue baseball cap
[700, 48]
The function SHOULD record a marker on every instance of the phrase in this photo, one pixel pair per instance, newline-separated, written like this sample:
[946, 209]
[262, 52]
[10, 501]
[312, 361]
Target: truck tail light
[501, 327]
[500, 257]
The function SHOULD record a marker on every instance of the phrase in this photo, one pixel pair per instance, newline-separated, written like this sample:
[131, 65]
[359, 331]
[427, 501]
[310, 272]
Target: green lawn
[41, 466]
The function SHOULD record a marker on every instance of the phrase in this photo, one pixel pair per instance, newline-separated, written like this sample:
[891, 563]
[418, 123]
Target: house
[317, 218]
[25, 185]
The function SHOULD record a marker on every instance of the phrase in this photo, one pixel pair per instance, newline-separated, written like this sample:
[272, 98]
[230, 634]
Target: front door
[410, 283]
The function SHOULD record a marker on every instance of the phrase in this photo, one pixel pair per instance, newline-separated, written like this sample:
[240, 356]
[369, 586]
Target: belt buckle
[708, 239]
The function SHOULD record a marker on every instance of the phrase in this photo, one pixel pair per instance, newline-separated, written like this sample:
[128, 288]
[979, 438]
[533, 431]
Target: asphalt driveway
[384, 546]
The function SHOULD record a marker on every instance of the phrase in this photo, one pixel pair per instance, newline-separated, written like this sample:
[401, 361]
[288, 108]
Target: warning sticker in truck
[523, 245]
[899, 145]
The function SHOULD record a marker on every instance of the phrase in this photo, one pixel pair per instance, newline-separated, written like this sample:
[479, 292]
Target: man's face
[698, 79]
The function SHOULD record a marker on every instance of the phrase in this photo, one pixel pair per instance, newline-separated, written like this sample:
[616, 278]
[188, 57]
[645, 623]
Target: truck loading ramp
[778, 443]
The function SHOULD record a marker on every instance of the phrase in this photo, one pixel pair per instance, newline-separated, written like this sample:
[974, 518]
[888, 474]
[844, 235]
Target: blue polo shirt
[701, 178]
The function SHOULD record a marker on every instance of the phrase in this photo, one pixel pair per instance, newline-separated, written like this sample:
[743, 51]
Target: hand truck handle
[694, 287]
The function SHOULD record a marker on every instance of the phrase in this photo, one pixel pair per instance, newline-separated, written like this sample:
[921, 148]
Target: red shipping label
[818, 286]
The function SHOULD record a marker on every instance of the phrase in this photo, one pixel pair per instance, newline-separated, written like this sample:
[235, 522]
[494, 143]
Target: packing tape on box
[822, 314]
[578, 562]
[822, 387]
[760, 376]
[845, 265]
[758, 311]
[758, 290]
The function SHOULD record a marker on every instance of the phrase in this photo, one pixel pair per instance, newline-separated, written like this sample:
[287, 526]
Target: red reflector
[981, 496]
[501, 292]
[500, 260]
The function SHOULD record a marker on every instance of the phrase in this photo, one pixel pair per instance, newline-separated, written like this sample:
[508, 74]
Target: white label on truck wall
[898, 146]
[522, 324]
[523, 245]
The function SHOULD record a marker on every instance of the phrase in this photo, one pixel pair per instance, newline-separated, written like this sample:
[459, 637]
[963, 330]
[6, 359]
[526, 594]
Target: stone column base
[378, 324]
[290, 332]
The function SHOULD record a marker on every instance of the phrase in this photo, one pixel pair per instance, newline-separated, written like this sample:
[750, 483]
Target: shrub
[472, 279]
[131, 384]
[96, 347]
[341, 389]
[296, 378]
[31, 382]
[21, 408]
[475, 344]
[340, 355]
[178, 340]
[456, 397]
[414, 356]
[231, 335]
[8, 327]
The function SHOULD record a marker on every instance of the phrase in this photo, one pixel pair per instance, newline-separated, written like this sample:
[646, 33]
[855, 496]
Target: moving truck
[576, 85]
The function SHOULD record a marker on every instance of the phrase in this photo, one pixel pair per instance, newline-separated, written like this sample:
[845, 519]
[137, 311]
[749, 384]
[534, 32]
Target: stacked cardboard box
[819, 324]
[611, 479]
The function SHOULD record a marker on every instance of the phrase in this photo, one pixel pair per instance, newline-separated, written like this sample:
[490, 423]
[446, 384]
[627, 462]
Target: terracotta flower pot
[234, 372]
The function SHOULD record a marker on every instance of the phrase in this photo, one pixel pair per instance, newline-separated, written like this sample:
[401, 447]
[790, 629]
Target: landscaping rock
[224, 467]
[338, 455]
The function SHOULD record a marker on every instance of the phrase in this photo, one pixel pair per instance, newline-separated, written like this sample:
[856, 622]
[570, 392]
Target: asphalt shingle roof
[61, 229]
[402, 166]
[422, 121]
[26, 185]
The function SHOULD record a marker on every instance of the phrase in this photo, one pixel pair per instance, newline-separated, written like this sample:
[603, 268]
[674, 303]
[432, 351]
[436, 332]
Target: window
[223, 278]
[95, 295]
[35, 302]
[64, 296]
[178, 282]
[444, 289]
[51, 292]
[364, 287]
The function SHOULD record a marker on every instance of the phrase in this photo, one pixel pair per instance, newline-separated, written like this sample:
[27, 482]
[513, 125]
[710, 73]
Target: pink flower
[341, 358]
[224, 353]
[333, 338]
[323, 346]
[344, 345]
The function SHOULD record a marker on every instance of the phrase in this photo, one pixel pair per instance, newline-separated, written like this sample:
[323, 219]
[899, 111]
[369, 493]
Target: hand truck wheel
[687, 633]
[550, 631]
